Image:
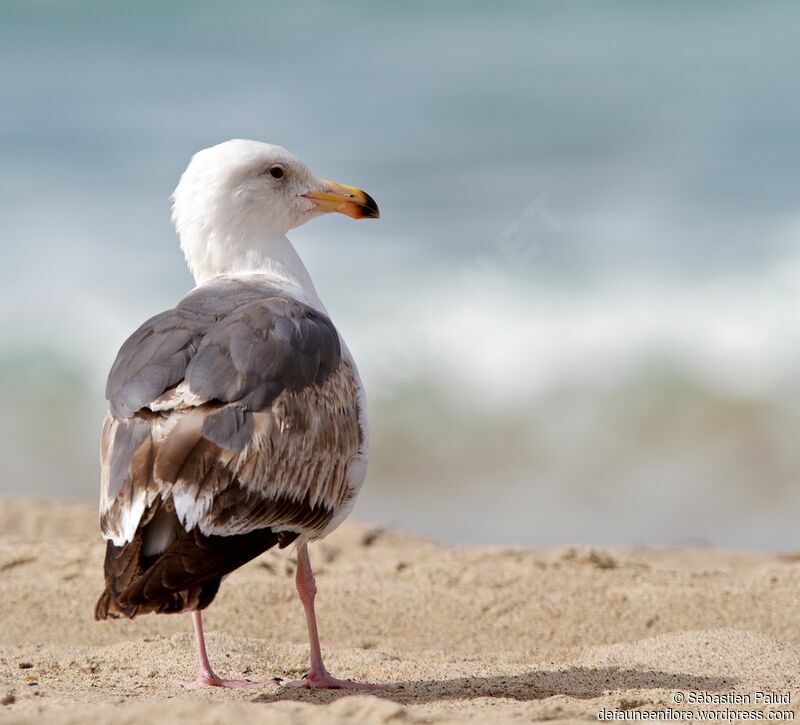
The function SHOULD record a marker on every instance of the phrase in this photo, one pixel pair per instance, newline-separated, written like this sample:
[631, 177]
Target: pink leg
[205, 675]
[318, 676]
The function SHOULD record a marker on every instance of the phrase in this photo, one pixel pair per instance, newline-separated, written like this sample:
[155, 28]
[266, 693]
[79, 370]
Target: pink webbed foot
[318, 677]
[206, 677]
[315, 680]
[211, 680]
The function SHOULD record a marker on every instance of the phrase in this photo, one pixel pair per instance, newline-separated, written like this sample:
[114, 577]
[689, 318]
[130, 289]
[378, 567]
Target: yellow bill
[349, 200]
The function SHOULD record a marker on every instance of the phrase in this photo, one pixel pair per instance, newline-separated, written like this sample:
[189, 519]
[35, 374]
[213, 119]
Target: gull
[237, 419]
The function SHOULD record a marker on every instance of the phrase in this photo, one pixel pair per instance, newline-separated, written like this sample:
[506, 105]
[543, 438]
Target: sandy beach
[457, 634]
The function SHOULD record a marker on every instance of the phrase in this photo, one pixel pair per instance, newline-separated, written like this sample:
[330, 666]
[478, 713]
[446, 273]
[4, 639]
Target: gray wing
[237, 407]
[229, 344]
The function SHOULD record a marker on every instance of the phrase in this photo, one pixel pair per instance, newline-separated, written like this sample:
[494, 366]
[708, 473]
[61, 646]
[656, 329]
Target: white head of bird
[237, 200]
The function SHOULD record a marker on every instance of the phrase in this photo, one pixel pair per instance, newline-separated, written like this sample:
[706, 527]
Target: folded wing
[233, 422]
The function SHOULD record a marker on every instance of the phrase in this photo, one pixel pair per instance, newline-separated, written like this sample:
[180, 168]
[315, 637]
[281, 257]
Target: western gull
[237, 419]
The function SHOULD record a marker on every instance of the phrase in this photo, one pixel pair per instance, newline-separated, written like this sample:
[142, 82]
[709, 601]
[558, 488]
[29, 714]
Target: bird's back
[235, 424]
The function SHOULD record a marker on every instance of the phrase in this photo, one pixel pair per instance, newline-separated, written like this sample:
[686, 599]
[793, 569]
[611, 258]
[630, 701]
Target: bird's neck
[275, 259]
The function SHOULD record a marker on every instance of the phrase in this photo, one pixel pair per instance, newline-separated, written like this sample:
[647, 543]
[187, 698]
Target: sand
[484, 634]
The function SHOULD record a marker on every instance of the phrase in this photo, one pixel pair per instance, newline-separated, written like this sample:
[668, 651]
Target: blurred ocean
[577, 319]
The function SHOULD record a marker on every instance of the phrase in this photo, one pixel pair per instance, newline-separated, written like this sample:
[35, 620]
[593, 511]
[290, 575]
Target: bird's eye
[276, 172]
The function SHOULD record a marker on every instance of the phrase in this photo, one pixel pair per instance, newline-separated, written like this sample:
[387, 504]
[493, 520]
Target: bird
[237, 419]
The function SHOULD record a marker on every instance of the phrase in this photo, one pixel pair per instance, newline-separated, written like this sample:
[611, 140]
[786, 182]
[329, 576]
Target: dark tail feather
[185, 576]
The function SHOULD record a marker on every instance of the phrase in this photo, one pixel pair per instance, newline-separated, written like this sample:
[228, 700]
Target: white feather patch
[178, 399]
[130, 516]
[188, 508]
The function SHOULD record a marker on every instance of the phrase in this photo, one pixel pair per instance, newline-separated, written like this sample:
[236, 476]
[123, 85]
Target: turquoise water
[577, 317]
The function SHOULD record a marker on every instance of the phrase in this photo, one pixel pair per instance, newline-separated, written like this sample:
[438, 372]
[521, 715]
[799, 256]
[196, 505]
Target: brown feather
[184, 576]
[299, 451]
[212, 453]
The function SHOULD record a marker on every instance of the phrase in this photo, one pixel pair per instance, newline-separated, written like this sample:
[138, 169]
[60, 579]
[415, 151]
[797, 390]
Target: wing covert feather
[238, 405]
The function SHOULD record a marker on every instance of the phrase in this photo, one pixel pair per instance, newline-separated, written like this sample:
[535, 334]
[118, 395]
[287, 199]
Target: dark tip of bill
[370, 208]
